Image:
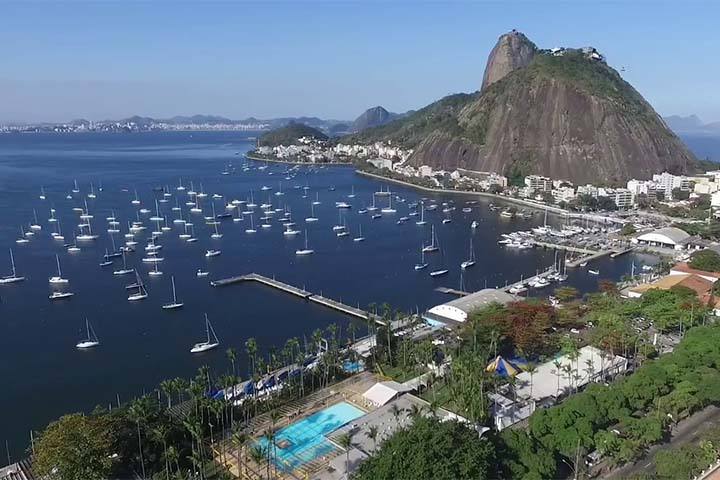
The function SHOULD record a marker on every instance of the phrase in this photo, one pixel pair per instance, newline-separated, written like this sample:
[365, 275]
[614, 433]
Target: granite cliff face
[512, 51]
[565, 114]
[372, 117]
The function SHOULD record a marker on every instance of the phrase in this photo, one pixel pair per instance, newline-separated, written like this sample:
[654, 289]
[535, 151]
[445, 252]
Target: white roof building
[456, 311]
[666, 237]
[383, 392]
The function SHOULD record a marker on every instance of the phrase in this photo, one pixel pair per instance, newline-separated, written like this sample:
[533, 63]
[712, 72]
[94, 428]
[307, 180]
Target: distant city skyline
[332, 60]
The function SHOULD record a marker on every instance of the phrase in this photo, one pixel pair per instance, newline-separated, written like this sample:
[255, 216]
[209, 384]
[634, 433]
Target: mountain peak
[513, 50]
[372, 117]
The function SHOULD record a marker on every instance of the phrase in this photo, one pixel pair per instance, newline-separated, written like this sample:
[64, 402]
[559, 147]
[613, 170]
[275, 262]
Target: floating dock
[298, 292]
[452, 291]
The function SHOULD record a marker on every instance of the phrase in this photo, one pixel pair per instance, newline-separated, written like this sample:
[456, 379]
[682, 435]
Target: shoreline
[250, 156]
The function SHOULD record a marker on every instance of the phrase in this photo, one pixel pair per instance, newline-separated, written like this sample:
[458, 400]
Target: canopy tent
[502, 367]
[382, 392]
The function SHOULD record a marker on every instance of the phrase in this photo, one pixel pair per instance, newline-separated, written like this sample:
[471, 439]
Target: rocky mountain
[563, 113]
[512, 51]
[373, 117]
[289, 135]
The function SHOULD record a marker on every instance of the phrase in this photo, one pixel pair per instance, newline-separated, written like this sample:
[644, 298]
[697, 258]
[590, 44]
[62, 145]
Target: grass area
[400, 374]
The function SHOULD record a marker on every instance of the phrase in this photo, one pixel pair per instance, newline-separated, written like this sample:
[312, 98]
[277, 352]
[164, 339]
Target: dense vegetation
[707, 260]
[432, 449]
[409, 131]
[690, 460]
[289, 134]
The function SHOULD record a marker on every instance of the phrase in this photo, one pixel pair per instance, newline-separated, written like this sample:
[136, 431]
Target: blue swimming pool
[305, 440]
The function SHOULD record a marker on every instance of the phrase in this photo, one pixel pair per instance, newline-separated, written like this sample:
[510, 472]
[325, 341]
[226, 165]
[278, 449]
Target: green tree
[707, 260]
[75, 447]
[433, 449]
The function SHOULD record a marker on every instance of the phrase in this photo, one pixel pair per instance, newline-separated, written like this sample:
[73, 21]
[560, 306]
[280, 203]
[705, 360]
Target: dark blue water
[704, 146]
[45, 376]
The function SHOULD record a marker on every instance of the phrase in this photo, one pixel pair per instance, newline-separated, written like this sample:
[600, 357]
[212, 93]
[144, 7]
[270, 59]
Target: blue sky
[70, 59]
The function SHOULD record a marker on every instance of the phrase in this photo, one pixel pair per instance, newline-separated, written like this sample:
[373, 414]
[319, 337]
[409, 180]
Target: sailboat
[360, 237]
[212, 253]
[389, 208]
[372, 208]
[433, 247]
[252, 227]
[422, 264]
[306, 250]
[210, 343]
[156, 217]
[317, 199]
[312, 217]
[422, 215]
[35, 225]
[52, 218]
[174, 304]
[124, 270]
[141, 292]
[216, 235]
[440, 271]
[58, 279]
[352, 191]
[75, 189]
[22, 238]
[91, 340]
[14, 278]
[42, 193]
[155, 272]
[339, 227]
[470, 261]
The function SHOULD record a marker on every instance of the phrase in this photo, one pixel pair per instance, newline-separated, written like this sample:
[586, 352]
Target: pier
[299, 292]
[452, 291]
[507, 287]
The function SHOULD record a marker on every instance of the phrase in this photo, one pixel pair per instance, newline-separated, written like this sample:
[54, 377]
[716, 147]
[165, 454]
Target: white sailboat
[422, 264]
[210, 343]
[124, 270]
[35, 225]
[42, 193]
[422, 215]
[13, 278]
[312, 217]
[22, 238]
[433, 247]
[141, 292]
[389, 208]
[470, 261]
[58, 279]
[440, 271]
[91, 340]
[252, 227]
[317, 199]
[360, 237]
[75, 189]
[212, 253]
[174, 304]
[306, 250]
[155, 272]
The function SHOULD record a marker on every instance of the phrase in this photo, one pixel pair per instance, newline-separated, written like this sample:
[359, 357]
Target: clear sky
[69, 59]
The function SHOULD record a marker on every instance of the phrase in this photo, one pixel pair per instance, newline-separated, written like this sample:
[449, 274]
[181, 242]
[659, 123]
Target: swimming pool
[304, 441]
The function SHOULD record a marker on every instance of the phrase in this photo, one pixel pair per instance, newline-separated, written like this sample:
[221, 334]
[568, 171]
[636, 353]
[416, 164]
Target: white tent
[383, 392]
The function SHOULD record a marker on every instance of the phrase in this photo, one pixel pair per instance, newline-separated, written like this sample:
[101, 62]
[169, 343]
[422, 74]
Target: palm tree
[168, 388]
[531, 369]
[258, 454]
[395, 412]
[239, 439]
[160, 434]
[345, 441]
[232, 356]
[251, 348]
[138, 412]
[372, 434]
[558, 373]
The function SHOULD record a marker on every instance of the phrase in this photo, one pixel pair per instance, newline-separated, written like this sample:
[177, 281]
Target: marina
[124, 302]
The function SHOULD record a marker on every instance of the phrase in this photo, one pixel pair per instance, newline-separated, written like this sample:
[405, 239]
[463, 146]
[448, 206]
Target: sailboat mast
[12, 263]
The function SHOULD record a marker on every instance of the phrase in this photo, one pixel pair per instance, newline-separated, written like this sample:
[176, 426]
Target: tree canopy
[707, 260]
[432, 449]
[75, 447]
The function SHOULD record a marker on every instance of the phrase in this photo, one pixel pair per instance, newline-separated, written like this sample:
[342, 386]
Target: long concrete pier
[298, 292]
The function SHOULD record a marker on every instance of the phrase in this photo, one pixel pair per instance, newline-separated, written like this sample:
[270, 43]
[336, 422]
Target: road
[685, 431]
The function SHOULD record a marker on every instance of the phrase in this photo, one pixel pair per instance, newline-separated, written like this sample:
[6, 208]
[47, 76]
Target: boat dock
[588, 255]
[298, 292]
[452, 291]
[271, 282]
[567, 248]
[621, 252]
[524, 281]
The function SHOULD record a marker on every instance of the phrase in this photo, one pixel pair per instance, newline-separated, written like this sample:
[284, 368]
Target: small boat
[22, 238]
[210, 343]
[422, 215]
[91, 340]
[583, 264]
[58, 279]
[13, 278]
[360, 237]
[594, 272]
[124, 270]
[470, 261]
[474, 224]
[35, 225]
[433, 247]
[376, 216]
[42, 193]
[389, 208]
[437, 273]
[212, 253]
[141, 293]
[312, 217]
[201, 273]
[422, 264]
[174, 304]
[252, 227]
[306, 250]
[156, 272]
[60, 295]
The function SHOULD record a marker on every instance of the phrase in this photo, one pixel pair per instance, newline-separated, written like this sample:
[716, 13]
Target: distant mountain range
[691, 124]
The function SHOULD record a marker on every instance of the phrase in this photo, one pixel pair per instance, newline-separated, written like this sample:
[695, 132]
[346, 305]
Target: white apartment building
[588, 189]
[667, 182]
[623, 198]
[538, 183]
